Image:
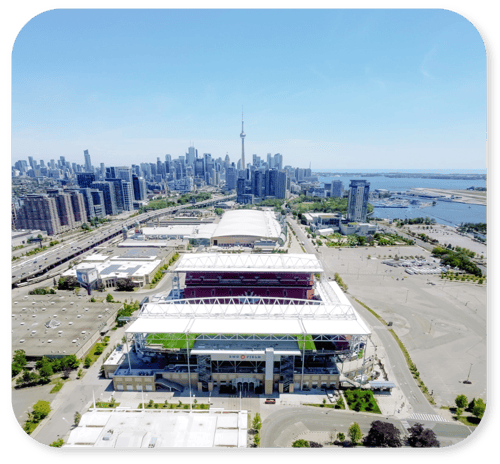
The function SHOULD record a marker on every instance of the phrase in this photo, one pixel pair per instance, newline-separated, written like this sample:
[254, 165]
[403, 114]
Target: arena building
[232, 335]
[244, 227]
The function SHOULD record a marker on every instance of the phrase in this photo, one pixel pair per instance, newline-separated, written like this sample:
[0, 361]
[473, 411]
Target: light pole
[240, 400]
[469, 373]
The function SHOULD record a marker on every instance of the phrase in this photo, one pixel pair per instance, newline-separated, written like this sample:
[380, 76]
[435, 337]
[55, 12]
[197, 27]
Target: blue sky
[402, 89]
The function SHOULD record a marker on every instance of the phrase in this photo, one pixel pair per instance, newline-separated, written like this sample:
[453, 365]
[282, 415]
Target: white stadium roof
[247, 222]
[218, 262]
[332, 316]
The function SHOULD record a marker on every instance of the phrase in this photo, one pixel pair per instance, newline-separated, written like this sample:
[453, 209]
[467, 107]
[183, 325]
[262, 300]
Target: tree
[125, 285]
[382, 434]
[300, 444]
[422, 438]
[87, 362]
[256, 440]
[340, 436]
[354, 433]
[461, 401]
[109, 298]
[479, 408]
[57, 443]
[314, 444]
[257, 423]
[77, 418]
[46, 371]
[41, 409]
[68, 283]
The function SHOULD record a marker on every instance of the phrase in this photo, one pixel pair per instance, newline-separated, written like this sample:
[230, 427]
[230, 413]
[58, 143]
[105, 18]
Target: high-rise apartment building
[358, 200]
[108, 191]
[38, 212]
[140, 191]
[84, 179]
[337, 189]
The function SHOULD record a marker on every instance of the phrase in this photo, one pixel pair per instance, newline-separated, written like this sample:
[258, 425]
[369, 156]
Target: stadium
[256, 323]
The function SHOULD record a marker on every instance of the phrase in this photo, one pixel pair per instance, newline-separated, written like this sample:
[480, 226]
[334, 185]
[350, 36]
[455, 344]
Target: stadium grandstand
[258, 323]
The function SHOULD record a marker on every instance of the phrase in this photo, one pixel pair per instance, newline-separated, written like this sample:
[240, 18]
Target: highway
[42, 263]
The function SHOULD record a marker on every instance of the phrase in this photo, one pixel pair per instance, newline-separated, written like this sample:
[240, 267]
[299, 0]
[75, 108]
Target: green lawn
[361, 400]
[178, 340]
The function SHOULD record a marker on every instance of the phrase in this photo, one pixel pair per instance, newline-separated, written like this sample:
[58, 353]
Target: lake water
[445, 212]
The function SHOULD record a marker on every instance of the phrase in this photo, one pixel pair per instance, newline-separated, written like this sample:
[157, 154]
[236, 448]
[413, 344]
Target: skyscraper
[242, 135]
[88, 164]
[358, 200]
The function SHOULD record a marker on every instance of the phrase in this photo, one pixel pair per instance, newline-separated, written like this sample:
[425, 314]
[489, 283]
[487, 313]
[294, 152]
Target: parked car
[270, 401]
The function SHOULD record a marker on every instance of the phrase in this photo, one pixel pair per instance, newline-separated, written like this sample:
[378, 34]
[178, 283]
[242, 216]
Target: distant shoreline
[402, 175]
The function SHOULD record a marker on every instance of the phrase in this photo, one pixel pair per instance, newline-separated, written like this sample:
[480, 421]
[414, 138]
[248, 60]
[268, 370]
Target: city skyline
[355, 90]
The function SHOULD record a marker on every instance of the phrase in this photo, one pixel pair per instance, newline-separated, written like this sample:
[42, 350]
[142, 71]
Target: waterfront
[444, 212]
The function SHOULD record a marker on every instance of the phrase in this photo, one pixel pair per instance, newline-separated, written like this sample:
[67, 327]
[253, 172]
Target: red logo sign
[242, 356]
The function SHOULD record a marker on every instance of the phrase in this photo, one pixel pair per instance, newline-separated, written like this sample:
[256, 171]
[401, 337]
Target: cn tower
[242, 135]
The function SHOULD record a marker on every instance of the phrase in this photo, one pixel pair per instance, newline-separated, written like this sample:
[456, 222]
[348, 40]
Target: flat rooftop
[46, 325]
[287, 347]
[160, 429]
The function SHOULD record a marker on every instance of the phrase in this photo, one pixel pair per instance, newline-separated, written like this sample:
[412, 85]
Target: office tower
[108, 191]
[278, 161]
[242, 135]
[231, 177]
[124, 173]
[160, 168]
[307, 172]
[110, 173]
[52, 164]
[84, 179]
[358, 200]
[191, 155]
[239, 165]
[199, 170]
[88, 163]
[21, 165]
[31, 162]
[256, 161]
[270, 159]
[62, 162]
[272, 183]
[139, 185]
[259, 184]
[337, 189]
[240, 188]
[38, 212]
[207, 159]
[42, 163]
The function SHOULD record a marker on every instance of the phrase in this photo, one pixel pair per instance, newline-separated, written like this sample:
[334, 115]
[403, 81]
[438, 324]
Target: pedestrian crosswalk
[428, 417]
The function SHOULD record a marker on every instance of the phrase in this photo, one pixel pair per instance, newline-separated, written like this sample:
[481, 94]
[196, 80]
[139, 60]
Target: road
[284, 426]
[395, 356]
